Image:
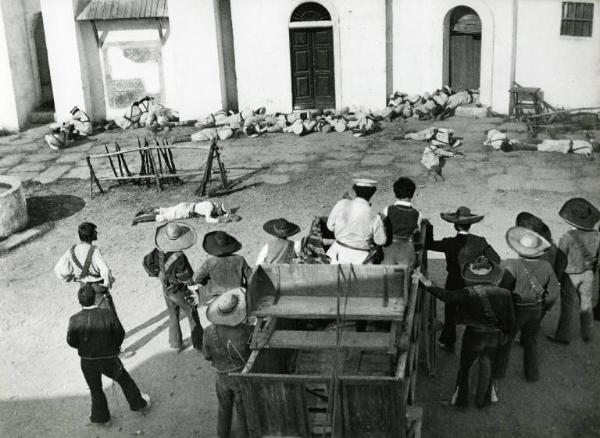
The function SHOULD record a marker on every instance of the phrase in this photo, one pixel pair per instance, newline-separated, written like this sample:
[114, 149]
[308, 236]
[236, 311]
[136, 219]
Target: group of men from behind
[493, 301]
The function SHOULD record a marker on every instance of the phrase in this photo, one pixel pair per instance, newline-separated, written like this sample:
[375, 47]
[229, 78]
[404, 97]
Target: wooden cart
[335, 351]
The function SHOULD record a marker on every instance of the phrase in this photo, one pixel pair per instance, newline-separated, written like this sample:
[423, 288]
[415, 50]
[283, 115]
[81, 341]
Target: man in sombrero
[488, 313]
[458, 250]
[534, 289]
[168, 262]
[226, 345]
[223, 269]
[581, 246]
[279, 249]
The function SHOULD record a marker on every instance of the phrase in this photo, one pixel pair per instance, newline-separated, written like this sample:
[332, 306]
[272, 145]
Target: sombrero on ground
[174, 236]
[525, 242]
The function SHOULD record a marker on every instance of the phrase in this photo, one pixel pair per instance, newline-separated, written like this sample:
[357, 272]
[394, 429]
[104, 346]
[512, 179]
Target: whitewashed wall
[567, 68]
[193, 42]
[419, 46]
[17, 77]
[262, 48]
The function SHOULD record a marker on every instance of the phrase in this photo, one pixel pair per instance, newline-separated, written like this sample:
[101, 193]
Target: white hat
[364, 182]
[229, 308]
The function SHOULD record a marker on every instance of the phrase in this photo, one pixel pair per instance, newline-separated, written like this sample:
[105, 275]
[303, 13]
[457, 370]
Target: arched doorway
[462, 40]
[312, 57]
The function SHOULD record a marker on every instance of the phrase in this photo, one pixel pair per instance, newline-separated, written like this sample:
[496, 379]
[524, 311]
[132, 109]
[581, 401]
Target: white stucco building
[24, 75]
[199, 56]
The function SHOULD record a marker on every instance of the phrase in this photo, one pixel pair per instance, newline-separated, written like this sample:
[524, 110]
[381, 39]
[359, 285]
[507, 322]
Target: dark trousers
[448, 334]
[528, 321]
[229, 395]
[176, 302]
[93, 369]
[482, 345]
[575, 294]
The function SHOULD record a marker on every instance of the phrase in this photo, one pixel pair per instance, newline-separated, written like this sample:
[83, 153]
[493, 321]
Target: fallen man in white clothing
[212, 213]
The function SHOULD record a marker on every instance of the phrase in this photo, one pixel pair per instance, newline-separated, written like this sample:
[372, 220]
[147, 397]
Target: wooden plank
[369, 309]
[295, 339]
[163, 10]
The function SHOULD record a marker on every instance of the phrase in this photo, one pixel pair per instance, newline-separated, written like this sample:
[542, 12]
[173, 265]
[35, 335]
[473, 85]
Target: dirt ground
[42, 390]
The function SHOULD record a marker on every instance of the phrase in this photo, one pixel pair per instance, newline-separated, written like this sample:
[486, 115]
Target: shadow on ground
[183, 404]
[51, 208]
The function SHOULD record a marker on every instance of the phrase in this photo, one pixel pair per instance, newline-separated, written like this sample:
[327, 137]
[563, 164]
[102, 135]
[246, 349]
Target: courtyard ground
[42, 391]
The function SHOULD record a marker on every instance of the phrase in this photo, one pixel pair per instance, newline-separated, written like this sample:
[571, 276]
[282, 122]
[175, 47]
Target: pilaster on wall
[73, 58]
[17, 78]
[195, 55]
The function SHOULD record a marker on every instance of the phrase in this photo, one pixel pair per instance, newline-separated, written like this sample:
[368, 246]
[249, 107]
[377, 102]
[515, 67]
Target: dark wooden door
[465, 60]
[313, 81]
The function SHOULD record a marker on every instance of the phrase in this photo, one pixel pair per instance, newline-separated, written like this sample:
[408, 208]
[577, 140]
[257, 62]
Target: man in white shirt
[84, 263]
[357, 228]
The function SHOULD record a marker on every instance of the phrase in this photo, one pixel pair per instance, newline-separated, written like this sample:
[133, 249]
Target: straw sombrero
[281, 228]
[532, 222]
[219, 243]
[580, 213]
[482, 270]
[229, 308]
[525, 242]
[174, 236]
[462, 216]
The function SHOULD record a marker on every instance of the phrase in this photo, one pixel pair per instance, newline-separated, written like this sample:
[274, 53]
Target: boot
[585, 321]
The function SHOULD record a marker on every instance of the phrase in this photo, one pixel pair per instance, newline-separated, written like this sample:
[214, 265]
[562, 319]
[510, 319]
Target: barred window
[577, 19]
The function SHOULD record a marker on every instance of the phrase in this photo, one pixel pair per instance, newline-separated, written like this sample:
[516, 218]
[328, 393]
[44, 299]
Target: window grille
[577, 19]
[310, 11]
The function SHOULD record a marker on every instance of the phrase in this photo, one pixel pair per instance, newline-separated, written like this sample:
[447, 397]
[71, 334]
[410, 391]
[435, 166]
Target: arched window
[310, 11]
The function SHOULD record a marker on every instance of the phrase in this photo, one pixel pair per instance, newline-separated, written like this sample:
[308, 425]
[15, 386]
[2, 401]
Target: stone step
[472, 111]
[41, 117]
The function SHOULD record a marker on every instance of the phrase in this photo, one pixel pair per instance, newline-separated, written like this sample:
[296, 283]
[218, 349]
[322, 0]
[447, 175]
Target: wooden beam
[326, 340]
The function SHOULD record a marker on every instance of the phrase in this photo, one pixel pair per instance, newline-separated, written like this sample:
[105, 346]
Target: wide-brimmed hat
[482, 270]
[462, 216]
[281, 228]
[219, 243]
[532, 222]
[525, 242]
[580, 213]
[364, 182]
[174, 236]
[229, 308]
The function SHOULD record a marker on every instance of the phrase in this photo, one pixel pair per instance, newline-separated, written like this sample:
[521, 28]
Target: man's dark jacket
[96, 333]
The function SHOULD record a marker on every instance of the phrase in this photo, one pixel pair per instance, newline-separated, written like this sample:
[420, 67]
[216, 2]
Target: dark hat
[462, 216]
[281, 228]
[533, 223]
[174, 236]
[525, 242]
[219, 243]
[86, 295]
[580, 213]
[482, 270]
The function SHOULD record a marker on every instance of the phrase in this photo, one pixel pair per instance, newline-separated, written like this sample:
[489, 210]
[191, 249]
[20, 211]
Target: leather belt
[352, 247]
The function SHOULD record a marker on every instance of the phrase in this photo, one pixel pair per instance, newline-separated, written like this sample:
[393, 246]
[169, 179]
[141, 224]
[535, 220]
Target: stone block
[77, 173]
[52, 173]
[11, 160]
[41, 156]
[30, 167]
[71, 157]
[471, 111]
[19, 238]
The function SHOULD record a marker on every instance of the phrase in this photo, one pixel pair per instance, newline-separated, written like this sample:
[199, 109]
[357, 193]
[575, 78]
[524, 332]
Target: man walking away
[97, 335]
